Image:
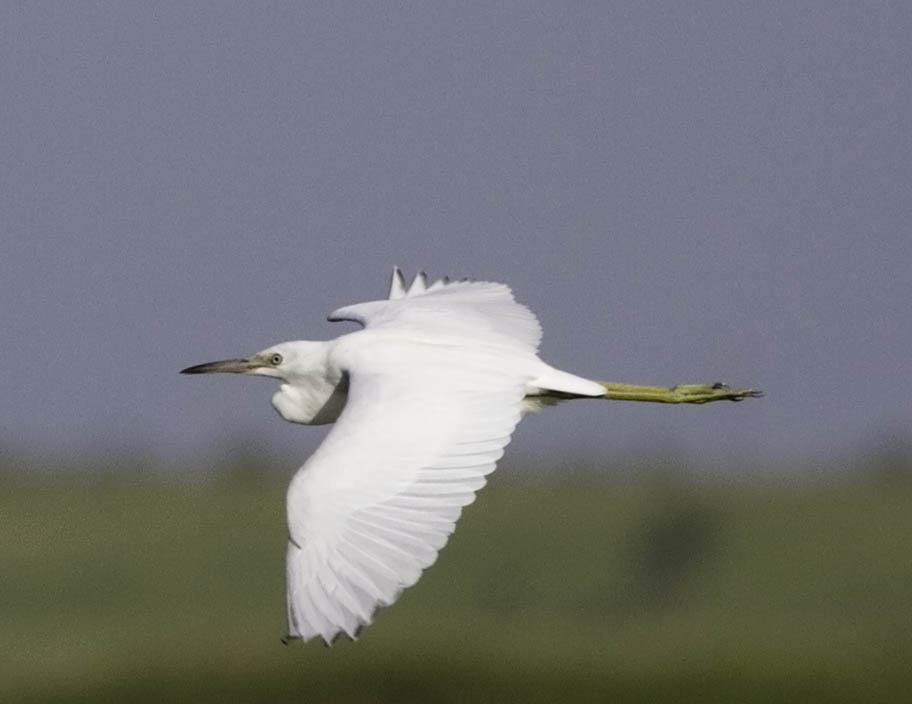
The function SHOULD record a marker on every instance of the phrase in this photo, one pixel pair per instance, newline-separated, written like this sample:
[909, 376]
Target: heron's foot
[704, 393]
[682, 393]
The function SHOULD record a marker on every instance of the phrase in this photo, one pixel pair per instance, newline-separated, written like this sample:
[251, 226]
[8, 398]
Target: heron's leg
[682, 393]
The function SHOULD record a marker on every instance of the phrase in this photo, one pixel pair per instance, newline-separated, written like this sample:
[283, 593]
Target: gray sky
[681, 191]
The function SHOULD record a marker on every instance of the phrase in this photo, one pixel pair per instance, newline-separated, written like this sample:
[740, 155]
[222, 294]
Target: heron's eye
[275, 360]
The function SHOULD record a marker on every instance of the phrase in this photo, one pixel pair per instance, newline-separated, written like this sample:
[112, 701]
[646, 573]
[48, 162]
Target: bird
[423, 400]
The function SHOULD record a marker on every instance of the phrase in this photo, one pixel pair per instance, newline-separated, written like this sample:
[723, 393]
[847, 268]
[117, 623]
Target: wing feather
[369, 511]
[397, 284]
[482, 311]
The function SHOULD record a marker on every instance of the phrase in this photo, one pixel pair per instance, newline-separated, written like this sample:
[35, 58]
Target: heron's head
[285, 361]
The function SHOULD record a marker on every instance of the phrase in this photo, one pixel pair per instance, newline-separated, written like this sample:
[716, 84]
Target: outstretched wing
[423, 425]
[481, 311]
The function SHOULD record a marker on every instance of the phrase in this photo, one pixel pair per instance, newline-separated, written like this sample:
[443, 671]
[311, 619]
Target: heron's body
[424, 399]
[317, 394]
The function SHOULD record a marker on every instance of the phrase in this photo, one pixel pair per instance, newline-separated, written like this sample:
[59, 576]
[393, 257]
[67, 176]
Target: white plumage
[377, 500]
[436, 382]
[424, 400]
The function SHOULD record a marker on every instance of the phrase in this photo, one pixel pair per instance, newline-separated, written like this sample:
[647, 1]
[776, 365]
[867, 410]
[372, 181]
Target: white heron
[424, 399]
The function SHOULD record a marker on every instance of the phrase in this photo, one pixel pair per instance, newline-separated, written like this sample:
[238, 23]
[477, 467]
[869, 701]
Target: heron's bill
[231, 366]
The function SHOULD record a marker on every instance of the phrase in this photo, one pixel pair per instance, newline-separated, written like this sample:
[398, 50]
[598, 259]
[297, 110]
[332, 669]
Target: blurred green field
[549, 591]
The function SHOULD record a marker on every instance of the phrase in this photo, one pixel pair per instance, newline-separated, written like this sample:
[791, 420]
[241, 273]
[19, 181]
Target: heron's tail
[554, 382]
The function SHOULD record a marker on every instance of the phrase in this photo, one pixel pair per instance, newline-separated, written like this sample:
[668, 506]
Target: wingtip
[397, 284]
[419, 284]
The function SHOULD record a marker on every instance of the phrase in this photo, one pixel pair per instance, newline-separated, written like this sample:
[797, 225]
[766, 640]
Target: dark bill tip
[231, 366]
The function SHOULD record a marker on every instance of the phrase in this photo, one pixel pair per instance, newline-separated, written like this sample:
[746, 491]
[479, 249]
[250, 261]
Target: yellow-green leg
[682, 393]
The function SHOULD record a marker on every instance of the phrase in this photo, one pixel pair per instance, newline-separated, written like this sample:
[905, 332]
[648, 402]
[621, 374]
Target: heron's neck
[313, 396]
